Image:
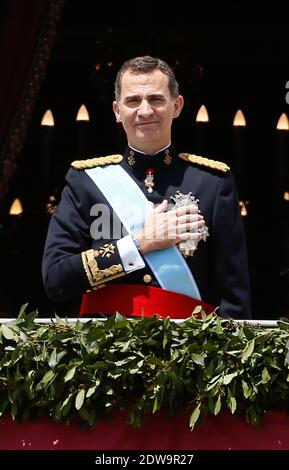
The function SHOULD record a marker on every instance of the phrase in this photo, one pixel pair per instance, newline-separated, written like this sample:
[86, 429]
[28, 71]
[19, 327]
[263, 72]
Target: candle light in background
[16, 207]
[82, 120]
[240, 159]
[47, 131]
[282, 141]
[202, 125]
[239, 119]
[15, 213]
[47, 119]
[82, 114]
[282, 155]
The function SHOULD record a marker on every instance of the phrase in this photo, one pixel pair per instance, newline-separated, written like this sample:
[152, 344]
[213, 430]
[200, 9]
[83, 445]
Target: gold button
[147, 278]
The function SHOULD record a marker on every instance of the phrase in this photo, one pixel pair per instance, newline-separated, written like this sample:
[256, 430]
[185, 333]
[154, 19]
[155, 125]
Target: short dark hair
[146, 64]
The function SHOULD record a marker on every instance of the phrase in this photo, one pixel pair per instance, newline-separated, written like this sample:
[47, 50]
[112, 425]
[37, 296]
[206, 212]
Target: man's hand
[165, 228]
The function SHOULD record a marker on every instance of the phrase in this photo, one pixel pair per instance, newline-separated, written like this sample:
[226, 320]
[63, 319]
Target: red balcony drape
[159, 432]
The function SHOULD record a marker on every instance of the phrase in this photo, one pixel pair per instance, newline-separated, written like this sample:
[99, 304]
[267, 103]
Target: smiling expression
[146, 110]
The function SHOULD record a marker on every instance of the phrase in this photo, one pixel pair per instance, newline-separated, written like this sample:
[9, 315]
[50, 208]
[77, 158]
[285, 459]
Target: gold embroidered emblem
[96, 275]
[130, 158]
[106, 250]
[168, 157]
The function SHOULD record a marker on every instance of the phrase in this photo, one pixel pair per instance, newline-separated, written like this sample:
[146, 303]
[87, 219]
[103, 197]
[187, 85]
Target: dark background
[224, 58]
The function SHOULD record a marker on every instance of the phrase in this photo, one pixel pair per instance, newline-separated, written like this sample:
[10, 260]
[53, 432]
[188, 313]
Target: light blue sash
[132, 207]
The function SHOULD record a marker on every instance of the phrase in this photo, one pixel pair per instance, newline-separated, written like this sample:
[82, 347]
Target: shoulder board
[204, 162]
[97, 161]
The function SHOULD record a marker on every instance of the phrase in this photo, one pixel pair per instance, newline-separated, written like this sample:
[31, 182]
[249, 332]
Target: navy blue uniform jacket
[219, 264]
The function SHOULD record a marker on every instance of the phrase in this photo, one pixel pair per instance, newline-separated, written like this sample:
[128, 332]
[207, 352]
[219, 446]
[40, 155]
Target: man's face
[146, 110]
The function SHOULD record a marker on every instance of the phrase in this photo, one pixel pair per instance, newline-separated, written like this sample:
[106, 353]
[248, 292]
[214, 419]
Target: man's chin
[147, 135]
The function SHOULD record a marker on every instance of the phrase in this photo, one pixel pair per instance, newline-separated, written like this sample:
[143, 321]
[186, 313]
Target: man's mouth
[146, 123]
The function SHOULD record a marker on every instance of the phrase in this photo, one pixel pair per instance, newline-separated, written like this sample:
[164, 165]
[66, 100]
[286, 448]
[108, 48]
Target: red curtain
[27, 34]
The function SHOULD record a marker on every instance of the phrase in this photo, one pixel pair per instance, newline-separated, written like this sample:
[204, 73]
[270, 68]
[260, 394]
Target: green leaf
[229, 377]
[198, 358]
[14, 410]
[154, 361]
[156, 405]
[175, 355]
[52, 359]
[7, 332]
[79, 399]
[126, 346]
[60, 355]
[124, 361]
[246, 390]
[248, 350]
[232, 404]
[265, 376]
[217, 406]
[231, 400]
[46, 380]
[66, 405]
[23, 336]
[48, 377]
[59, 321]
[22, 311]
[195, 416]
[217, 379]
[197, 309]
[91, 391]
[70, 374]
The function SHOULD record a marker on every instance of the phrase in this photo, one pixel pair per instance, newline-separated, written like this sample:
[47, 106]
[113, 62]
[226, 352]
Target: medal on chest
[150, 180]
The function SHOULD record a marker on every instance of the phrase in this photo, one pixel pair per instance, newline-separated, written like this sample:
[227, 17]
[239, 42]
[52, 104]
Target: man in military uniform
[150, 231]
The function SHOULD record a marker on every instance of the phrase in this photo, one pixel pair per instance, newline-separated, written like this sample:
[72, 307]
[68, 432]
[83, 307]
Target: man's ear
[115, 108]
[179, 103]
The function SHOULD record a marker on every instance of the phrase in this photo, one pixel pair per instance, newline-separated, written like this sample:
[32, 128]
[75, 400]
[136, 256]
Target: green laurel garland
[89, 370]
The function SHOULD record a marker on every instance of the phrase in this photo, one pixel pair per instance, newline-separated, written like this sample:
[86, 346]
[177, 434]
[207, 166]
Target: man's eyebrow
[153, 95]
[129, 97]
[156, 95]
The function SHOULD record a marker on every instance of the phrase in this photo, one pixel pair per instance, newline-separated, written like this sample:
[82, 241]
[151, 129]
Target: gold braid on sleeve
[95, 275]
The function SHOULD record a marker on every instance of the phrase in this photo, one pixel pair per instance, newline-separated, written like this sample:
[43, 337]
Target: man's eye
[156, 99]
[132, 102]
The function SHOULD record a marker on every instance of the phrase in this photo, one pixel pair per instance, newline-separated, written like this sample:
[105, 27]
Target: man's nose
[145, 108]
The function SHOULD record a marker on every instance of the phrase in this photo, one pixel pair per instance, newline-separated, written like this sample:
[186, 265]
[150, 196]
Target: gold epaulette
[205, 162]
[97, 161]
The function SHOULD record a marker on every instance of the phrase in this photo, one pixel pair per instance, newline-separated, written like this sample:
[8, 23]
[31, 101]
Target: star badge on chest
[188, 247]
